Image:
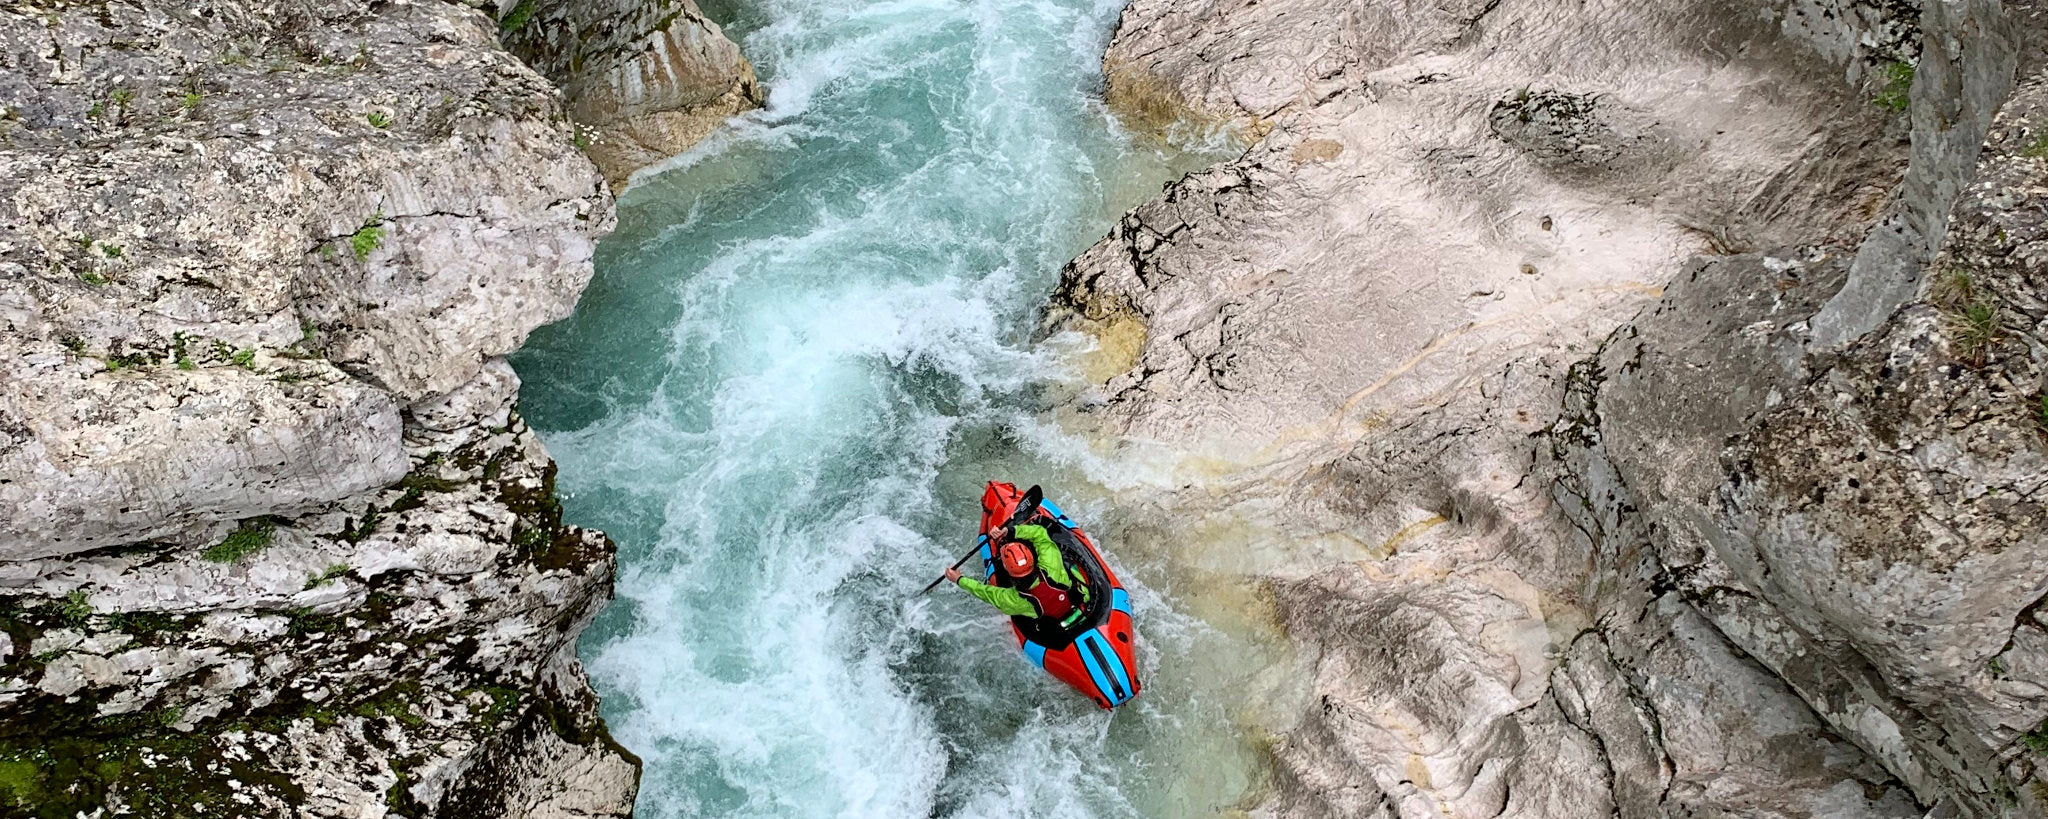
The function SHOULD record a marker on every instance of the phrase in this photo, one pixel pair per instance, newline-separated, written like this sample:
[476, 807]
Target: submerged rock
[1625, 477]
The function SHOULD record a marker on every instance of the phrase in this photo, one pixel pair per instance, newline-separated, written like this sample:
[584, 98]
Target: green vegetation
[97, 111]
[304, 621]
[1972, 316]
[307, 330]
[517, 18]
[396, 703]
[73, 343]
[76, 609]
[170, 717]
[2036, 148]
[130, 361]
[2037, 739]
[92, 277]
[244, 358]
[368, 237]
[580, 138]
[178, 352]
[502, 700]
[1898, 82]
[248, 538]
[327, 252]
[112, 251]
[333, 571]
[122, 97]
[191, 100]
[378, 119]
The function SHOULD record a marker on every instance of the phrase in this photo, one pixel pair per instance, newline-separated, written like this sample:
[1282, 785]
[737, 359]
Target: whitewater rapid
[806, 347]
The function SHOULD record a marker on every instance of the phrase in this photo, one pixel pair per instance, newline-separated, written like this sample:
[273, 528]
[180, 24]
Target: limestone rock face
[649, 78]
[275, 540]
[1619, 473]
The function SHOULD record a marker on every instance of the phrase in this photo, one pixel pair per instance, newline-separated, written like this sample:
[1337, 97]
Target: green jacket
[1012, 602]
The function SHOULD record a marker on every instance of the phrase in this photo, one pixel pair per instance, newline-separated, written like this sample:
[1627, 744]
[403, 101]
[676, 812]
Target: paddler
[1040, 585]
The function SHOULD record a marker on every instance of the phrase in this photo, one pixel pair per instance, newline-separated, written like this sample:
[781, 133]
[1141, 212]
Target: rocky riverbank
[1652, 394]
[276, 541]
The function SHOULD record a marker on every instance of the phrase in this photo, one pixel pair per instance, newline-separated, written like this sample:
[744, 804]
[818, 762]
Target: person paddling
[1040, 585]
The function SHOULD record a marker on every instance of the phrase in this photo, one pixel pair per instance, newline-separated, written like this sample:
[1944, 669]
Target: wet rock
[1617, 478]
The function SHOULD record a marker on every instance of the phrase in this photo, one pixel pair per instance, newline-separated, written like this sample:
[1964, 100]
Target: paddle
[1025, 507]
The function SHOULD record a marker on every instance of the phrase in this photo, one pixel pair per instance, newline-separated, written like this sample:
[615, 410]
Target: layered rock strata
[646, 78]
[1650, 394]
[276, 541]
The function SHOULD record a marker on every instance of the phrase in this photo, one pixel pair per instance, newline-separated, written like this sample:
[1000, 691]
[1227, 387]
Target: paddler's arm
[1007, 601]
[1049, 558]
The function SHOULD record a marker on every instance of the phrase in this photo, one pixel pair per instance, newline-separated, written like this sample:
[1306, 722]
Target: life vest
[1053, 601]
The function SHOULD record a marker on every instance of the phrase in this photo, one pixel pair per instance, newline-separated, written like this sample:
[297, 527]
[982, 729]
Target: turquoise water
[806, 346]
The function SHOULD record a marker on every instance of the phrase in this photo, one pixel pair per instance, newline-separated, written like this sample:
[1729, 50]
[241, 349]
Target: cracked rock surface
[276, 541]
[1650, 395]
[647, 78]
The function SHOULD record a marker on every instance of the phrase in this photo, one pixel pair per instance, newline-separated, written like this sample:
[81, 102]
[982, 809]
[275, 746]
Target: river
[807, 345]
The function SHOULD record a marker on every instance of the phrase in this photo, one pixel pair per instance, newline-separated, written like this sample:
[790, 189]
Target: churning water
[806, 347]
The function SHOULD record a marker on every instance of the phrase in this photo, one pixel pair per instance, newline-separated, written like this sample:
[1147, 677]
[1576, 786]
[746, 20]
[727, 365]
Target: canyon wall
[273, 538]
[646, 79]
[1650, 394]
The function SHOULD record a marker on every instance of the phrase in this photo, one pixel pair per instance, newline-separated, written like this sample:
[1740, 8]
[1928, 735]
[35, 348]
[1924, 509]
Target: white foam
[838, 356]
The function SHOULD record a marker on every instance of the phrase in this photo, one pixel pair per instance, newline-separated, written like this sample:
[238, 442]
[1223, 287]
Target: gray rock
[1769, 547]
[649, 78]
[276, 541]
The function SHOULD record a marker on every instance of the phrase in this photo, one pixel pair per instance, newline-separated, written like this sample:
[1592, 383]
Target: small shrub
[73, 343]
[191, 101]
[76, 609]
[244, 358]
[252, 536]
[122, 97]
[178, 352]
[170, 717]
[112, 251]
[307, 330]
[378, 119]
[368, 237]
[332, 572]
[579, 138]
[518, 18]
[2037, 739]
[97, 111]
[92, 277]
[1898, 83]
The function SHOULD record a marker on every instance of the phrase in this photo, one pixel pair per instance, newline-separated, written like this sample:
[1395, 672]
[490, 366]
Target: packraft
[1094, 649]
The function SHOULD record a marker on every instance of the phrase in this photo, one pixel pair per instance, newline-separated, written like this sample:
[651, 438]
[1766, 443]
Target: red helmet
[1017, 559]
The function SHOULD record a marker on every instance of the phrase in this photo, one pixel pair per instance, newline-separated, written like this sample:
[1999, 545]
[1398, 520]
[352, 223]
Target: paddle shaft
[956, 564]
[1028, 505]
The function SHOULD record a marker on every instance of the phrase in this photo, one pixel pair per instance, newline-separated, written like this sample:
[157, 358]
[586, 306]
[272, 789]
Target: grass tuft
[378, 119]
[333, 571]
[252, 536]
[1971, 315]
